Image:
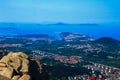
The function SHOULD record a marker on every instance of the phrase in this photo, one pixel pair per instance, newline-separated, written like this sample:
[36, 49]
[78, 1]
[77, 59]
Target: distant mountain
[59, 24]
[85, 24]
[109, 44]
[107, 41]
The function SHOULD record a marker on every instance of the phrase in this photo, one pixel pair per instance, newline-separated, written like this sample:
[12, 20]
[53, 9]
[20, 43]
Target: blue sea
[94, 30]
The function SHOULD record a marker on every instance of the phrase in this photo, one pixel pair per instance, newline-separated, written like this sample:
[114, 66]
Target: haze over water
[94, 30]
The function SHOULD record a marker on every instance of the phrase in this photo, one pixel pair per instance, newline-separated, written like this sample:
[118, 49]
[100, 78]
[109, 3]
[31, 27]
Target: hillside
[107, 41]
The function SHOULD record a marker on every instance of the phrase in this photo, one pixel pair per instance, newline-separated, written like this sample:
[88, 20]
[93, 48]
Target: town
[74, 52]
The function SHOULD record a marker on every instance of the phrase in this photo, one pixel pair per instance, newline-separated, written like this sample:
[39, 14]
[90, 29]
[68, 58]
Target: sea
[94, 30]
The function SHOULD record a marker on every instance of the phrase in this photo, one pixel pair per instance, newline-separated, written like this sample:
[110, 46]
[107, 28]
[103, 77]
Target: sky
[67, 11]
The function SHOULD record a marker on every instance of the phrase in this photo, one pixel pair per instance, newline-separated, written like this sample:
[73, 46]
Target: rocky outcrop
[17, 66]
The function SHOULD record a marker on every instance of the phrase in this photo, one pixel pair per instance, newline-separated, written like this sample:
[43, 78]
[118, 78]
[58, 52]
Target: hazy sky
[69, 11]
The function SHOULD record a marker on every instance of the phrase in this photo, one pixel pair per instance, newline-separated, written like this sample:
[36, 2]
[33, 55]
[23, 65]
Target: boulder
[15, 63]
[2, 64]
[20, 55]
[4, 78]
[16, 77]
[4, 59]
[25, 77]
[25, 66]
[8, 72]
[17, 66]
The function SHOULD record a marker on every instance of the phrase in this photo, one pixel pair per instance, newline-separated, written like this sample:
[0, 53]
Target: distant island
[95, 30]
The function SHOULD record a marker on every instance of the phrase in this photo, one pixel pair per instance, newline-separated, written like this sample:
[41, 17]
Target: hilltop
[107, 40]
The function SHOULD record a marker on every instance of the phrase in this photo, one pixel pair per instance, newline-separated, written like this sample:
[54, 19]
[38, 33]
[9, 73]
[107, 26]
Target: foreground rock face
[17, 66]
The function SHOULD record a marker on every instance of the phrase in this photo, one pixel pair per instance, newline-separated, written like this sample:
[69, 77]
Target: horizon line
[61, 23]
